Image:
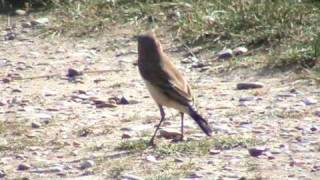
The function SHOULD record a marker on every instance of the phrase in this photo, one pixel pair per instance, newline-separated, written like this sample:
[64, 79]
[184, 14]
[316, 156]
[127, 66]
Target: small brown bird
[165, 83]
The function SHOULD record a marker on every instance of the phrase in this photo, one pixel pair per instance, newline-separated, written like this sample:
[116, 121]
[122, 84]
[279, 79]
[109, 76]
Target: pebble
[87, 164]
[310, 101]
[209, 19]
[249, 85]
[123, 100]
[195, 175]
[10, 36]
[225, 54]
[44, 116]
[214, 151]
[103, 104]
[313, 128]
[239, 51]
[170, 133]
[286, 95]
[178, 160]
[152, 159]
[2, 102]
[6, 80]
[131, 177]
[256, 151]
[23, 167]
[26, 24]
[126, 129]
[246, 98]
[126, 135]
[3, 142]
[54, 169]
[35, 125]
[20, 12]
[269, 155]
[40, 21]
[317, 112]
[2, 174]
[72, 73]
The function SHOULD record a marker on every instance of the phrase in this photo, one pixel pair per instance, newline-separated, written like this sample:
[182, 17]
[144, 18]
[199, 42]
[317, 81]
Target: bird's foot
[151, 143]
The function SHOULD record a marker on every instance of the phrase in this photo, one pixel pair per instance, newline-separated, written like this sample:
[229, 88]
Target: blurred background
[285, 30]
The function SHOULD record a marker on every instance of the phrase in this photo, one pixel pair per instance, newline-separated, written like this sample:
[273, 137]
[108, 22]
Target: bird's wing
[172, 83]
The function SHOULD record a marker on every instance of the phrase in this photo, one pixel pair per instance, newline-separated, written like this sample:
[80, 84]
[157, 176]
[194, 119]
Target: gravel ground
[58, 125]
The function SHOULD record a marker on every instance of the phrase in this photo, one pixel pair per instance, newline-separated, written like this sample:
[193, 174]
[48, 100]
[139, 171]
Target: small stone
[225, 54]
[123, 100]
[40, 21]
[209, 19]
[276, 151]
[313, 128]
[246, 98]
[20, 12]
[269, 155]
[23, 167]
[16, 90]
[72, 73]
[151, 158]
[131, 177]
[103, 104]
[126, 129]
[195, 175]
[2, 102]
[49, 93]
[2, 174]
[310, 101]
[317, 112]
[35, 125]
[10, 36]
[6, 80]
[26, 24]
[20, 157]
[53, 169]
[87, 164]
[170, 133]
[214, 151]
[286, 95]
[126, 135]
[178, 160]
[249, 85]
[240, 50]
[256, 151]
[44, 116]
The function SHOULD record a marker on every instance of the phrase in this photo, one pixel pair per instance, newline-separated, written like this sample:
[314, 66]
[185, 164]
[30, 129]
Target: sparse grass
[200, 147]
[288, 31]
[133, 145]
[160, 177]
[114, 168]
[15, 135]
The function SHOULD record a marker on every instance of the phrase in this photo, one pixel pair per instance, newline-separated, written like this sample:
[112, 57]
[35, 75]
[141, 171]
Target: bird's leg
[158, 126]
[181, 126]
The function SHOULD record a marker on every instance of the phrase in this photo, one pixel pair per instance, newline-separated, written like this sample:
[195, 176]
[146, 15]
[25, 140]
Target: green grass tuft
[133, 145]
[202, 147]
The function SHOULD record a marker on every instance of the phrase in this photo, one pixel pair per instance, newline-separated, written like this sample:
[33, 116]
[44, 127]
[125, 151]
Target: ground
[52, 127]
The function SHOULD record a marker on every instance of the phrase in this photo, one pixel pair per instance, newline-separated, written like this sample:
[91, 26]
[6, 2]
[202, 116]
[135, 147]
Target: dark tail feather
[200, 121]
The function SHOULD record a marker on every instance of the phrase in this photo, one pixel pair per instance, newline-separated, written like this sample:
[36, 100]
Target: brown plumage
[165, 83]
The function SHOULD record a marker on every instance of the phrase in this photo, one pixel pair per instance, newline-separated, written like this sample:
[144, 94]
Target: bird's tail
[200, 121]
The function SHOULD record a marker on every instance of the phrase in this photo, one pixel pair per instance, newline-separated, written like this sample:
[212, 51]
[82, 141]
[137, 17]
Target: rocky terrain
[78, 109]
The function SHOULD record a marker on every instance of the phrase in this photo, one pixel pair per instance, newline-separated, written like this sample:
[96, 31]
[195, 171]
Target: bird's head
[148, 44]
